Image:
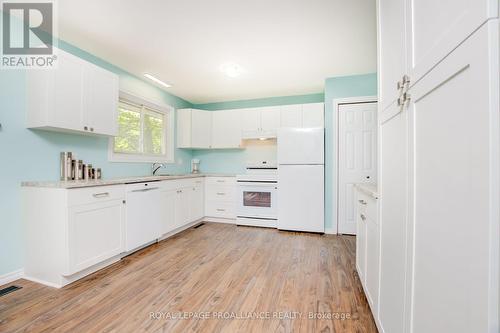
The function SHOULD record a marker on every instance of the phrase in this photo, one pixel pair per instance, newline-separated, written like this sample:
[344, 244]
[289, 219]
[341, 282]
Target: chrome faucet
[156, 166]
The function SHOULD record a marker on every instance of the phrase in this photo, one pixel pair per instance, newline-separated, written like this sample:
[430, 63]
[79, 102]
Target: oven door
[257, 200]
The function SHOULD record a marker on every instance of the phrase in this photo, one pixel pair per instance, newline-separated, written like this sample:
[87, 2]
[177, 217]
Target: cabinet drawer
[222, 193]
[221, 209]
[89, 195]
[221, 180]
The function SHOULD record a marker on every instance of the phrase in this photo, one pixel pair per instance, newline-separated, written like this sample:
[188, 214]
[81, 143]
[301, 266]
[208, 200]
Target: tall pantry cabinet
[439, 166]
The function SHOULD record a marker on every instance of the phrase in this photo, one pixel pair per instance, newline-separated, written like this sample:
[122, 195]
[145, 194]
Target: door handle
[362, 202]
[362, 217]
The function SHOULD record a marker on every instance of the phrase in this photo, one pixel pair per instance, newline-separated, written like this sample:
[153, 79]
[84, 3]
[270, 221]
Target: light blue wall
[270, 101]
[34, 154]
[339, 87]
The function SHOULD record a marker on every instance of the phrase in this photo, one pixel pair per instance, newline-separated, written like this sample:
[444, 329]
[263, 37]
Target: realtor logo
[27, 35]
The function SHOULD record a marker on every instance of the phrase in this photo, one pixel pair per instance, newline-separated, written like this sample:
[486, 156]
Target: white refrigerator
[301, 174]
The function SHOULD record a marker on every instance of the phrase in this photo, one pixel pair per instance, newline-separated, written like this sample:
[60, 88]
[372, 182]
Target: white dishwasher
[143, 217]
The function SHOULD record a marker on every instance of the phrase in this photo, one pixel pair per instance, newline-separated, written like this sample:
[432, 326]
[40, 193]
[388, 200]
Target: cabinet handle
[91, 129]
[362, 217]
[85, 128]
[101, 195]
[221, 193]
[221, 181]
[362, 202]
[221, 210]
[146, 189]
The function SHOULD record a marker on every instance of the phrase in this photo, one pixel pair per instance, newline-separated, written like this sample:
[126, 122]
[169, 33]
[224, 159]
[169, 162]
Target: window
[145, 132]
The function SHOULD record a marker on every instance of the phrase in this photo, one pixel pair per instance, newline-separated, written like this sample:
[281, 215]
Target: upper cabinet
[194, 128]
[77, 96]
[415, 35]
[260, 122]
[225, 129]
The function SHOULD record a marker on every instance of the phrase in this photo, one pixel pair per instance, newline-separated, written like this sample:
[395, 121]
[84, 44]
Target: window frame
[168, 132]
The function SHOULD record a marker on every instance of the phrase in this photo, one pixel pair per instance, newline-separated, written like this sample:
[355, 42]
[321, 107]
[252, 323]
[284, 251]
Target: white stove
[257, 196]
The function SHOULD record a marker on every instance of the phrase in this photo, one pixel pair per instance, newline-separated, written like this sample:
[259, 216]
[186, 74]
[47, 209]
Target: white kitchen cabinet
[182, 206]
[70, 233]
[361, 245]
[220, 197]
[313, 115]
[194, 128]
[372, 262]
[95, 233]
[270, 119]
[100, 100]
[391, 50]
[435, 28]
[260, 122]
[76, 96]
[168, 202]
[251, 123]
[226, 129]
[201, 129]
[455, 116]
[291, 116]
[143, 215]
[196, 200]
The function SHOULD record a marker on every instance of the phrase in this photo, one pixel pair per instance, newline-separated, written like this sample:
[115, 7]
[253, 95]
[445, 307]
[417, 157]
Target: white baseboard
[219, 220]
[12, 276]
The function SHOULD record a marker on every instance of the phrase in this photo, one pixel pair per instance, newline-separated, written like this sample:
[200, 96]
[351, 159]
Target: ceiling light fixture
[154, 79]
[232, 69]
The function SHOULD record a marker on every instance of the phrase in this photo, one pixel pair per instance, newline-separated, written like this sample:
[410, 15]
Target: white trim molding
[169, 128]
[336, 102]
[11, 277]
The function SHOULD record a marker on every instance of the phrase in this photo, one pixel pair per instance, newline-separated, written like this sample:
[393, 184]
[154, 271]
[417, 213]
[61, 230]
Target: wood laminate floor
[216, 278]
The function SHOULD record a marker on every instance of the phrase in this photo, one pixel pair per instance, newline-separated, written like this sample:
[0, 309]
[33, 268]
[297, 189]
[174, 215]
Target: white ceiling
[287, 47]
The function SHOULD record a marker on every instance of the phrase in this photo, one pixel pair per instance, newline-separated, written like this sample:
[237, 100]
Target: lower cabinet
[95, 233]
[220, 197]
[367, 246]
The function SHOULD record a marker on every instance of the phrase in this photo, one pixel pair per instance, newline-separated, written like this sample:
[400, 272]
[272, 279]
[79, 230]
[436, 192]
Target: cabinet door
[100, 101]
[456, 171]
[361, 246]
[66, 108]
[291, 116]
[270, 118]
[201, 128]
[226, 129]
[393, 218]
[251, 120]
[372, 262]
[168, 201]
[313, 115]
[436, 28]
[181, 207]
[392, 52]
[196, 203]
[95, 233]
[183, 128]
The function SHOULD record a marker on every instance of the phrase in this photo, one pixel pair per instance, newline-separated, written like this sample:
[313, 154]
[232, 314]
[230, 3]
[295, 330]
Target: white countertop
[368, 188]
[116, 181]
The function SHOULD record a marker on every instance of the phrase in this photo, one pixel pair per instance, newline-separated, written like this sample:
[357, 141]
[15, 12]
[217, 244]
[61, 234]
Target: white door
[456, 202]
[270, 119]
[436, 28]
[167, 221]
[196, 202]
[226, 129]
[183, 128]
[95, 233]
[291, 115]
[357, 157]
[201, 128]
[313, 115]
[67, 93]
[181, 207]
[392, 51]
[101, 101]
[393, 218]
[301, 199]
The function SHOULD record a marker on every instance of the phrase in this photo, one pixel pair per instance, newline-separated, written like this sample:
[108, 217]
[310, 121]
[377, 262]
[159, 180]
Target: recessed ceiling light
[232, 69]
[154, 79]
